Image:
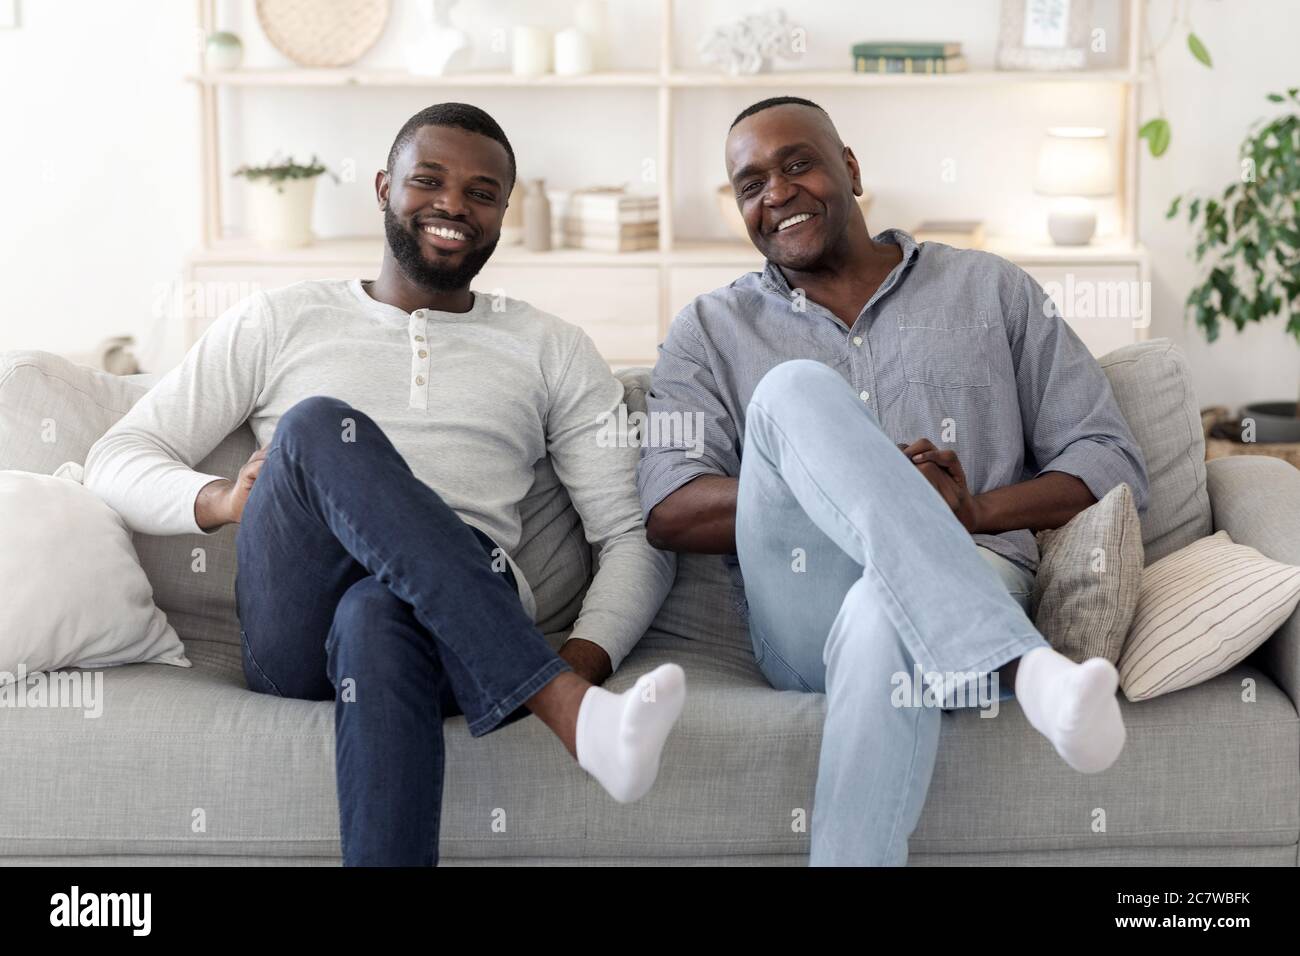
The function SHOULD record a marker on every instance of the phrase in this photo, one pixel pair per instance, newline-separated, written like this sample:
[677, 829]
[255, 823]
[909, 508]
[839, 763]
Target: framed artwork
[1044, 34]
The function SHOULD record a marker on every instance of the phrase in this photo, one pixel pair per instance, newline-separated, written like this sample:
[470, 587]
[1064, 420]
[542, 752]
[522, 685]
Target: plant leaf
[1173, 207]
[1156, 133]
[1276, 97]
[1198, 49]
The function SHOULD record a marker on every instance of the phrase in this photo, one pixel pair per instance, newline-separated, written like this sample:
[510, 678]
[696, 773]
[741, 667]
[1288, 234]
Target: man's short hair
[774, 101]
[457, 115]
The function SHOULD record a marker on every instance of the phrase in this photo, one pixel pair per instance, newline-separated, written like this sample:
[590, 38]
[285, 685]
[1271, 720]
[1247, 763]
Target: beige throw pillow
[1089, 575]
[1202, 610]
[74, 592]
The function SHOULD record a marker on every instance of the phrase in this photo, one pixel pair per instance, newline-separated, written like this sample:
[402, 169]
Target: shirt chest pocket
[946, 348]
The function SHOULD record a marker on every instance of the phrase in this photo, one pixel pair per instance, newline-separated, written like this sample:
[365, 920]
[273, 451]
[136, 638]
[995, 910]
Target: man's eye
[486, 197]
[795, 166]
[748, 188]
[426, 181]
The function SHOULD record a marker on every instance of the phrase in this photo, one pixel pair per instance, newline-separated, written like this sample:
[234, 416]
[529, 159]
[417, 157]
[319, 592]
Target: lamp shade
[1075, 161]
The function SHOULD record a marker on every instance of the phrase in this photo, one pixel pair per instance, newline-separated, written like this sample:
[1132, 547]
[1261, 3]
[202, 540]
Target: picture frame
[1044, 34]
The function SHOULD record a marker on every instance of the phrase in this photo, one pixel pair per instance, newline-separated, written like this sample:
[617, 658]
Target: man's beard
[410, 258]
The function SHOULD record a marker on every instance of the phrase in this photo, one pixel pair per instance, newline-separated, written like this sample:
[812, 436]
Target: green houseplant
[1249, 239]
[279, 200]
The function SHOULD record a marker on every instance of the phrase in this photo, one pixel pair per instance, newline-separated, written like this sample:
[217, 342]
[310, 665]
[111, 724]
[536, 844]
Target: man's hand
[943, 470]
[588, 660]
[222, 502]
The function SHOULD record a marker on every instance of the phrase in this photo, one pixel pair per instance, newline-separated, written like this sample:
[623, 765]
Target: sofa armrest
[1256, 499]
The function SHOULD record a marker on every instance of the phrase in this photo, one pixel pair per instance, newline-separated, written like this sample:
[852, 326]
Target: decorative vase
[442, 48]
[224, 51]
[530, 53]
[279, 214]
[512, 224]
[537, 217]
[573, 52]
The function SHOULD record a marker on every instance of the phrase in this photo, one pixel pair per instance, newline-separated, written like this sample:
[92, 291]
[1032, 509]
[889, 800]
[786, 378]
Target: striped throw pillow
[1200, 612]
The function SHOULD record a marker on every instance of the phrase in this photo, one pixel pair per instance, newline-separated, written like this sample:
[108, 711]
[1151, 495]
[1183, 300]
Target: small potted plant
[279, 200]
[1249, 236]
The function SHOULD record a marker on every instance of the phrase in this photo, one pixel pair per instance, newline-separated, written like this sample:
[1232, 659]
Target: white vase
[279, 214]
[442, 48]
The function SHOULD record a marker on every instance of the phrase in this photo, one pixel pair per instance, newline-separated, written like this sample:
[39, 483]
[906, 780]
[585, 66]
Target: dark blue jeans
[358, 584]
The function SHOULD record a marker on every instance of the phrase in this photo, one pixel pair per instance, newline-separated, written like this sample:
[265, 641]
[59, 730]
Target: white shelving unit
[641, 291]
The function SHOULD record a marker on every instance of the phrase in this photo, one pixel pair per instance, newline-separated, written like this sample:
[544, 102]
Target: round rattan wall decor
[323, 32]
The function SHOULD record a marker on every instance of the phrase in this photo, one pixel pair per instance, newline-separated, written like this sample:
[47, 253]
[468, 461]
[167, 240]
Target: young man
[860, 563]
[400, 420]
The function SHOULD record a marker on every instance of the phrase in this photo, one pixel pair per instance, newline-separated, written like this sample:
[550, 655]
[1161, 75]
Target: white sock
[1073, 706]
[620, 736]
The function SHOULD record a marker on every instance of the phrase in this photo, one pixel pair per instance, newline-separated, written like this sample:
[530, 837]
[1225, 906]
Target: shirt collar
[773, 280]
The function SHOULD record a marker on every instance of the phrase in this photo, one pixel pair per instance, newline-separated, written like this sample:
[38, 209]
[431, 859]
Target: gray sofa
[1207, 777]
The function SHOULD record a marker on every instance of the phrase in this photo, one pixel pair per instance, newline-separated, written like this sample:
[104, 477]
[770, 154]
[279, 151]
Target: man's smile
[446, 235]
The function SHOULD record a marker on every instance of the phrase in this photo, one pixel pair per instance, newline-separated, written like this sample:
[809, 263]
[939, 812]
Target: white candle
[573, 52]
[531, 55]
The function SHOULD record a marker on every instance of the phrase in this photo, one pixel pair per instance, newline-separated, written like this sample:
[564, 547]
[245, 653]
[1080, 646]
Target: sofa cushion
[1089, 573]
[1203, 609]
[74, 591]
[1202, 769]
[1153, 388]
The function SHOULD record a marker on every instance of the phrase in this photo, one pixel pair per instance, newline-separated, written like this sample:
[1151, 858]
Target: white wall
[98, 176]
[97, 181]
[1253, 44]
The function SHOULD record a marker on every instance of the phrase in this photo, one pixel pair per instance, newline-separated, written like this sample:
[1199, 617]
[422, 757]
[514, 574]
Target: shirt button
[419, 380]
[857, 340]
[864, 395]
[419, 338]
[423, 354]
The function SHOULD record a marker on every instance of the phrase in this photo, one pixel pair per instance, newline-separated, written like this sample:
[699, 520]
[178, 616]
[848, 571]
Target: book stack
[903, 57]
[606, 220]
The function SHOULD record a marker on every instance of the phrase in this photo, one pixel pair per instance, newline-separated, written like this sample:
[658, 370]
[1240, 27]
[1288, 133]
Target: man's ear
[381, 188]
[855, 171]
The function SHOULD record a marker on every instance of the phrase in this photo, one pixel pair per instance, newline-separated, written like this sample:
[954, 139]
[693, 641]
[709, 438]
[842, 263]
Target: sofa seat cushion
[174, 747]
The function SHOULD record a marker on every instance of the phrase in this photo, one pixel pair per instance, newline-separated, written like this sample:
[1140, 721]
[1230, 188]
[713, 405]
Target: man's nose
[779, 192]
[450, 204]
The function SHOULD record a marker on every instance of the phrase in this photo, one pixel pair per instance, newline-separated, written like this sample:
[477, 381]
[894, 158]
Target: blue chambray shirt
[955, 342]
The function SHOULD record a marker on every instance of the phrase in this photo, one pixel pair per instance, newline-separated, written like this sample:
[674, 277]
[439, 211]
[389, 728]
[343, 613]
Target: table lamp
[1075, 167]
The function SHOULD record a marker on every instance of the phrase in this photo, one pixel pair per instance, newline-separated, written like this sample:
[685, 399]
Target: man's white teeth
[792, 221]
[444, 233]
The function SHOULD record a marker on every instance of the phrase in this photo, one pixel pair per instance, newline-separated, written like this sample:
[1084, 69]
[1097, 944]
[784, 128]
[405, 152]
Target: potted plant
[1250, 239]
[279, 200]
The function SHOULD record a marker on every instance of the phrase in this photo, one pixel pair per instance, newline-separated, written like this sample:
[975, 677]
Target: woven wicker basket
[323, 32]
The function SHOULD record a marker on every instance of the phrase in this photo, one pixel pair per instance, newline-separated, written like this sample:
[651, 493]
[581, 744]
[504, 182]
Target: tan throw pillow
[1089, 574]
[1203, 609]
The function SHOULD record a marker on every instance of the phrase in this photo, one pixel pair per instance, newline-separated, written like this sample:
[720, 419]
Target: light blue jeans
[857, 572]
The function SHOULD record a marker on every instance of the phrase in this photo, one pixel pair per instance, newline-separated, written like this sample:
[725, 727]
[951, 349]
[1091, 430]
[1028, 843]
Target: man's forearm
[210, 507]
[699, 517]
[1041, 503]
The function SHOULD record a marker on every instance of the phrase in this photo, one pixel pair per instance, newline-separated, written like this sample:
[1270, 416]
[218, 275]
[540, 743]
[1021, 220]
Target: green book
[892, 48]
[907, 64]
